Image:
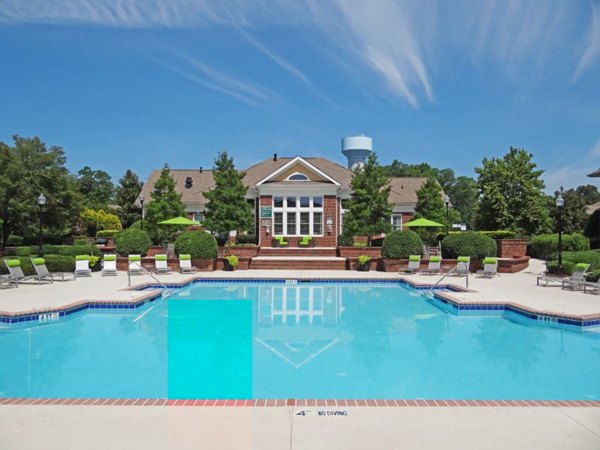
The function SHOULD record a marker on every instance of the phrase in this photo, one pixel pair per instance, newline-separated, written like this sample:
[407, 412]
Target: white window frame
[311, 209]
[401, 220]
[306, 178]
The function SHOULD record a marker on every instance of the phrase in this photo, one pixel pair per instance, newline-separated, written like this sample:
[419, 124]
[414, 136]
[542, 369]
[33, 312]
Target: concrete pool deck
[519, 288]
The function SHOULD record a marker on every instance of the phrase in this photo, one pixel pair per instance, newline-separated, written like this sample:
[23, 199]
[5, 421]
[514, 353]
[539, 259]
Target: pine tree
[511, 194]
[227, 208]
[129, 189]
[165, 204]
[369, 211]
[430, 204]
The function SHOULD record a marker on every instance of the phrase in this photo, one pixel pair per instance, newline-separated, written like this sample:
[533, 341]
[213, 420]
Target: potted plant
[231, 263]
[364, 263]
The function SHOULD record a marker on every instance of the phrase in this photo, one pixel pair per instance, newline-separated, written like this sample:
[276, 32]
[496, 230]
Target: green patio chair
[279, 241]
[306, 241]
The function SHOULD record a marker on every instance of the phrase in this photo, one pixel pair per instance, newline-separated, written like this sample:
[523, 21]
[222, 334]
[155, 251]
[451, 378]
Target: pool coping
[152, 291]
[291, 402]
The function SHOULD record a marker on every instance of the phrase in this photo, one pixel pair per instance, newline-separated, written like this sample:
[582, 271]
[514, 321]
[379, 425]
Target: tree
[128, 191]
[573, 215]
[165, 204]
[463, 195]
[227, 208]
[95, 220]
[445, 177]
[511, 194]
[430, 205]
[369, 209]
[589, 193]
[27, 169]
[96, 187]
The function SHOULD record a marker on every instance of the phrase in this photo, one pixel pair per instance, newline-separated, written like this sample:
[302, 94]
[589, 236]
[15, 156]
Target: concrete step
[298, 263]
[297, 251]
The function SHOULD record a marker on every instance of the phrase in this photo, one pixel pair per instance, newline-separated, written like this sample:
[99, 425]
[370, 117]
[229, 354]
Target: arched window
[298, 177]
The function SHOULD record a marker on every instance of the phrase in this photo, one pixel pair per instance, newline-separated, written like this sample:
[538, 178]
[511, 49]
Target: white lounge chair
[82, 266]
[109, 265]
[577, 280]
[135, 265]
[161, 264]
[462, 265]
[6, 281]
[15, 272]
[43, 274]
[185, 264]
[414, 263]
[490, 268]
[434, 266]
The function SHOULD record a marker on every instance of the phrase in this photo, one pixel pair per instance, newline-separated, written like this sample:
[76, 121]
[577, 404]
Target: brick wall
[511, 248]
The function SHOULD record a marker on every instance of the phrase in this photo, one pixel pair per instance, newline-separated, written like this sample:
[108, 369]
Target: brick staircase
[298, 251]
[298, 262]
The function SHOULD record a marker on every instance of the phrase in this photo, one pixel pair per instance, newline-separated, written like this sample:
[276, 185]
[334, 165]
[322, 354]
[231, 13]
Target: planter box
[513, 265]
[243, 263]
[352, 264]
[204, 265]
[393, 265]
[355, 252]
[241, 251]
[511, 248]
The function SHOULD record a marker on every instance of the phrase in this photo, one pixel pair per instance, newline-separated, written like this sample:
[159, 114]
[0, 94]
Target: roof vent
[188, 182]
[274, 156]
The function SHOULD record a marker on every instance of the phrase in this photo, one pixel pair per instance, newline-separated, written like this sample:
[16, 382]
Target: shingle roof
[595, 174]
[404, 190]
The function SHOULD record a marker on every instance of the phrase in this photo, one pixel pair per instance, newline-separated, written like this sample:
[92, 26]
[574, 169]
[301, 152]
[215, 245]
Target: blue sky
[134, 84]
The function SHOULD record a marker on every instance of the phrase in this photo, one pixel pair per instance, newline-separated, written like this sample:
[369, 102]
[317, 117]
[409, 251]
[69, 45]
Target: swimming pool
[307, 340]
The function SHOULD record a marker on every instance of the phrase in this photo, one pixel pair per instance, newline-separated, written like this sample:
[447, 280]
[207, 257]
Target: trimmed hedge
[107, 233]
[545, 245]
[591, 257]
[401, 244]
[81, 241]
[593, 276]
[199, 244]
[475, 245]
[246, 239]
[14, 240]
[568, 267]
[49, 249]
[133, 241]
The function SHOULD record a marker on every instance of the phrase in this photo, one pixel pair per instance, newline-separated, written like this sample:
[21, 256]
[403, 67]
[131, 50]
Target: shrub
[60, 263]
[199, 244]
[591, 257]
[401, 244]
[232, 260]
[345, 240]
[132, 241]
[593, 276]
[14, 240]
[81, 241]
[363, 259]
[544, 245]
[26, 251]
[499, 234]
[247, 239]
[136, 225]
[475, 245]
[107, 233]
[568, 267]
[26, 265]
[360, 244]
[74, 250]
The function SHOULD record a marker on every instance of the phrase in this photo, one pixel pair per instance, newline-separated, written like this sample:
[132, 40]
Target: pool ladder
[166, 292]
[429, 291]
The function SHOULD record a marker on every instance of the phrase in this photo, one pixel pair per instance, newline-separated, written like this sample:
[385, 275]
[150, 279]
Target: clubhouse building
[297, 196]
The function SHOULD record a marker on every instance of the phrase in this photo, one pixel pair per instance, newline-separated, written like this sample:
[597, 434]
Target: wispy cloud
[216, 80]
[574, 174]
[593, 48]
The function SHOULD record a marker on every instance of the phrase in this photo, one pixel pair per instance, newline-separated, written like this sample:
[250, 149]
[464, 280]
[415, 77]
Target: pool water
[310, 340]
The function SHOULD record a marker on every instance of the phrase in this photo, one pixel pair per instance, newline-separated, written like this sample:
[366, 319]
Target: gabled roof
[404, 189]
[296, 164]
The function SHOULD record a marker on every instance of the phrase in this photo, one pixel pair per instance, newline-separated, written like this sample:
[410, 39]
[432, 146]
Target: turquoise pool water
[310, 340]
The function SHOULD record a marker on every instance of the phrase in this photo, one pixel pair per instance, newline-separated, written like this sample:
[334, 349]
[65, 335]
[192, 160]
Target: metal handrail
[448, 272]
[166, 290]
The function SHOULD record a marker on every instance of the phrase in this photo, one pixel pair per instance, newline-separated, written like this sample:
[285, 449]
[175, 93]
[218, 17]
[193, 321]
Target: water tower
[357, 148]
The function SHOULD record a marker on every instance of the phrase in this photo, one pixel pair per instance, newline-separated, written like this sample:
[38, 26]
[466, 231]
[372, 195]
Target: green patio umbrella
[179, 221]
[422, 222]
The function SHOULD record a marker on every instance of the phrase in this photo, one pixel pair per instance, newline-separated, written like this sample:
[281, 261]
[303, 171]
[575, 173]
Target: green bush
[568, 267]
[401, 244]
[136, 225]
[499, 234]
[345, 240]
[475, 245]
[14, 240]
[50, 249]
[593, 276]
[60, 263]
[81, 241]
[107, 233]
[26, 265]
[74, 250]
[591, 257]
[246, 239]
[199, 244]
[132, 241]
[545, 245]
[26, 251]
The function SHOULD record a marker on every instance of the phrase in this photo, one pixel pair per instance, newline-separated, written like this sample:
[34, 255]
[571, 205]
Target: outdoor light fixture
[560, 203]
[142, 206]
[447, 201]
[41, 201]
[329, 224]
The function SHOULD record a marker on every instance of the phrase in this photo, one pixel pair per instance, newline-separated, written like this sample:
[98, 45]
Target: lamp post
[560, 203]
[142, 205]
[447, 201]
[41, 201]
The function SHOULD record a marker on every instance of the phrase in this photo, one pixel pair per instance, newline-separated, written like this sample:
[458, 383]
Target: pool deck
[519, 288]
[121, 426]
